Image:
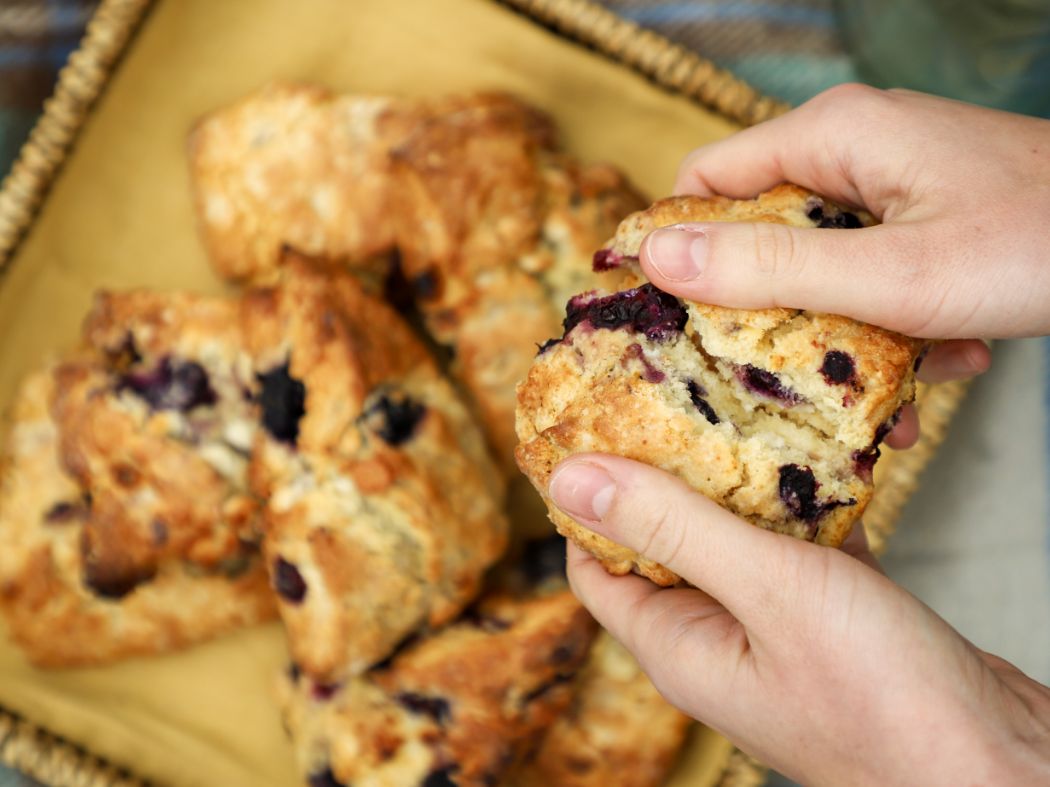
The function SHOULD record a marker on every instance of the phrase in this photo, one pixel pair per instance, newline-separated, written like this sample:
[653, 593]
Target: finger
[807, 146]
[667, 629]
[906, 433]
[645, 509]
[876, 274]
[958, 359]
[633, 609]
[856, 545]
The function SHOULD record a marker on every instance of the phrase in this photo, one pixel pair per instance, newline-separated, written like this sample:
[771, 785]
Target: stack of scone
[334, 445]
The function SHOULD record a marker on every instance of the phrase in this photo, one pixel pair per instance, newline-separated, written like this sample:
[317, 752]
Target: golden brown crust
[104, 551]
[463, 702]
[295, 165]
[776, 414]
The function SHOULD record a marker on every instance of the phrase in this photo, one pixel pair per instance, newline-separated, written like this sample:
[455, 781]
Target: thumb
[876, 274]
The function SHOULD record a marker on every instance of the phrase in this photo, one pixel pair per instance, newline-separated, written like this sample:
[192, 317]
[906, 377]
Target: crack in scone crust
[776, 414]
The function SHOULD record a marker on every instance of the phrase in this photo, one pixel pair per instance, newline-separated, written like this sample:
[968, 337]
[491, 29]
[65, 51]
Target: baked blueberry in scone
[383, 508]
[776, 414]
[126, 522]
[456, 707]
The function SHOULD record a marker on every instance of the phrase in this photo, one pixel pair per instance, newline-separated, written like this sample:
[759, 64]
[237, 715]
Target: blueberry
[765, 383]
[798, 490]
[171, 385]
[324, 778]
[324, 691]
[605, 260]
[696, 396]
[543, 558]
[395, 417]
[283, 400]
[864, 461]
[435, 707]
[109, 580]
[644, 309]
[837, 368]
[440, 778]
[288, 582]
[843, 220]
[425, 285]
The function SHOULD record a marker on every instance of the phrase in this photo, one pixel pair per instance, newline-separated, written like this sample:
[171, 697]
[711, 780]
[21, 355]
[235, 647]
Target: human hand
[961, 253]
[806, 657]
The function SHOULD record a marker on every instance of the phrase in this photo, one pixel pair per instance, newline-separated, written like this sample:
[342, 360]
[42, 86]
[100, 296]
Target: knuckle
[774, 251]
[664, 539]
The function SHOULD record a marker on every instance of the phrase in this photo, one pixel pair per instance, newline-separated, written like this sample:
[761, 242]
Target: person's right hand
[963, 194]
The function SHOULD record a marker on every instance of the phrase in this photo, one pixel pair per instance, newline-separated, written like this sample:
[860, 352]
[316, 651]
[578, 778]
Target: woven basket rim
[54, 761]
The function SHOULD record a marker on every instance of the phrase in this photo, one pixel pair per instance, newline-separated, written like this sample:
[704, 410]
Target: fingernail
[582, 490]
[678, 252]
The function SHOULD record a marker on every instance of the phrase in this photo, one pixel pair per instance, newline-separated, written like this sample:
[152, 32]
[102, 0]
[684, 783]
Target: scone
[296, 165]
[496, 230]
[126, 523]
[383, 508]
[776, 414]
[617, 730]
[490, 227]
[453, 708]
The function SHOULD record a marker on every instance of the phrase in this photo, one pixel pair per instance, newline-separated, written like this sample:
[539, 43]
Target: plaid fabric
[790, 49]
[36, 37]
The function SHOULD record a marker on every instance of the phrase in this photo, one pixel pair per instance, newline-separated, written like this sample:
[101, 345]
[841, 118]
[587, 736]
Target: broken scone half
[776, 414]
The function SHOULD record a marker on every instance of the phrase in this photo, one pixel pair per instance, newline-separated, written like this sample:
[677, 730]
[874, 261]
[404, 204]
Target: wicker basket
[55, 762]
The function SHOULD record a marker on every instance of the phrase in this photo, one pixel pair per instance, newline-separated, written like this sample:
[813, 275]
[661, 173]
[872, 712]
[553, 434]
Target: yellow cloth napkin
[120, 215]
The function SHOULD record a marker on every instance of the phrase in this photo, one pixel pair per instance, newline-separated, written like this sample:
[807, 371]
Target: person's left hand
[806, 657]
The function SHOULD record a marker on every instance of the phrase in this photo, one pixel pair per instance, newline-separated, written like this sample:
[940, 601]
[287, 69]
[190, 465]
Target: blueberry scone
[126, 522]
[296, 165]
[453, 709]
[496, 231]
[383, 508]
[493, 226]
[616, 732]
[777, 414]
[617, 729]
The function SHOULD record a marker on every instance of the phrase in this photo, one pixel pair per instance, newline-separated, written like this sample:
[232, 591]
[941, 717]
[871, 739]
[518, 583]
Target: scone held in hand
[776, 414]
